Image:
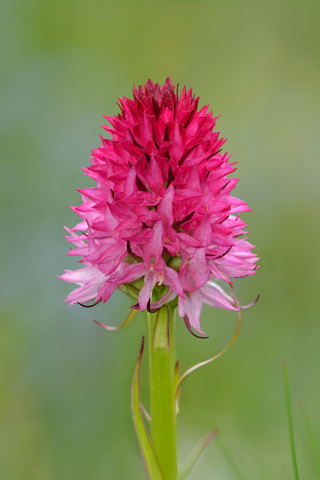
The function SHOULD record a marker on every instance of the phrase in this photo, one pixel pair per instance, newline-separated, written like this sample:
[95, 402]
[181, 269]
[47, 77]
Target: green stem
[162, 389]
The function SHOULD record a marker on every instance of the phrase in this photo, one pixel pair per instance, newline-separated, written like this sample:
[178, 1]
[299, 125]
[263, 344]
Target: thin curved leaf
[195, 455]
[146, 447]
[201, 364]
[109, 327]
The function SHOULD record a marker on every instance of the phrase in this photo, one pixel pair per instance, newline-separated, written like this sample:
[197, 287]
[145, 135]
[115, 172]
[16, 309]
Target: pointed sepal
[195, 455]
[146, 447]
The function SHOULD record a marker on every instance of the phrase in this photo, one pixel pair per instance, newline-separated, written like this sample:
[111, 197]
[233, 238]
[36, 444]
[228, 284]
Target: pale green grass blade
[195, 455]
[311, 443]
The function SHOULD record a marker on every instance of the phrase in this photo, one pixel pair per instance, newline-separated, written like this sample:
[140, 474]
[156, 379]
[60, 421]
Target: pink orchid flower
[162, 212]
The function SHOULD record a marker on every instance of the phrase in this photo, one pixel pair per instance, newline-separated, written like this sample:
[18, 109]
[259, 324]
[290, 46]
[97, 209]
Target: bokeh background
[65, 383]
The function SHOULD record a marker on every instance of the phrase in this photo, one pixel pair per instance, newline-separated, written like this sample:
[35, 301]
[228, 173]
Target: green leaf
[146, 447]
[195, 455]
[290, 421]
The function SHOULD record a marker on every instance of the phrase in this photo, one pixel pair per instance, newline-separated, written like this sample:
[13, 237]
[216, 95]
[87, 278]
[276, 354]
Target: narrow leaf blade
[195, 455]
[290, 420]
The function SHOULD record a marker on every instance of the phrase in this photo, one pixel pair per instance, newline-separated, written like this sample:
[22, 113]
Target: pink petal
[214, 298]
[172, 279]
[152, 251]
[192, 307]
[146, 292]
[83, 276]
[164, 209]
[171, 295]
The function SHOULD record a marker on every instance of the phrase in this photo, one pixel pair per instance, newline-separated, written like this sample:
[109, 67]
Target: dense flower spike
[161, 221]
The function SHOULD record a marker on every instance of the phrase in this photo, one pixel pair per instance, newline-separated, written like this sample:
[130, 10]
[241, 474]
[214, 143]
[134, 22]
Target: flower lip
[162, 214]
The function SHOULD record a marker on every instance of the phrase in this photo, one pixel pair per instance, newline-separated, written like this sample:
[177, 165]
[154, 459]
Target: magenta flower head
[161, 224]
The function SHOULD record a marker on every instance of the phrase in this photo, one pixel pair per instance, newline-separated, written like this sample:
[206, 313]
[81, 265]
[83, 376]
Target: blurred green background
[65, 383]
